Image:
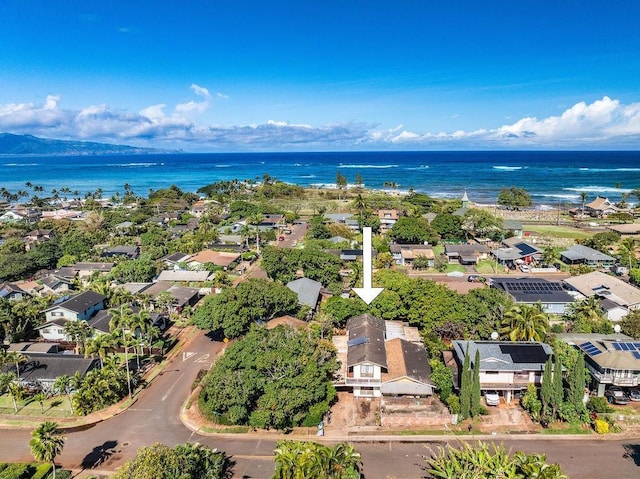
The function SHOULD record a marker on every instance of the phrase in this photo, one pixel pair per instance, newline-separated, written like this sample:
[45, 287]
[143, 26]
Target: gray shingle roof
[80, 302]
[368, 334]
[505, 355]
[307, 290]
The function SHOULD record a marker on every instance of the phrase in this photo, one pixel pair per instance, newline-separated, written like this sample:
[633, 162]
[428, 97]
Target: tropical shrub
[599, 405]
[488, 462]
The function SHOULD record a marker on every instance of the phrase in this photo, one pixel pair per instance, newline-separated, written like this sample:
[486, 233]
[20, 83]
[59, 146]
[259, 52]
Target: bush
[601, 426]
[17, 471]
[599, 405]
[453, 402]
[42, 471]
[531, 403]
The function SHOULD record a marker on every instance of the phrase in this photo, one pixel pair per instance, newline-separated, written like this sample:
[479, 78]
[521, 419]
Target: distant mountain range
[11, 144]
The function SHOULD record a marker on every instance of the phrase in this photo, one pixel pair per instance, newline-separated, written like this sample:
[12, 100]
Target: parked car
[492, 398]
[281, 238]
[616, 396]
[474, 278]
[634, 395]
[524, 268]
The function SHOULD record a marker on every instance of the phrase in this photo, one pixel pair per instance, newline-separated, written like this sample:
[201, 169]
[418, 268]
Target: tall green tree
[558, 389]
[576, 385]
[301, 459]
[466, 386]
[547, 390]
[475, 389]
[46, 443]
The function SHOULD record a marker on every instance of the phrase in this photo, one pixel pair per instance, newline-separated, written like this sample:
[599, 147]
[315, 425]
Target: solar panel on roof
[357, 341]
[525, 353]
[636, 354]
[637, 345]
[617, 347]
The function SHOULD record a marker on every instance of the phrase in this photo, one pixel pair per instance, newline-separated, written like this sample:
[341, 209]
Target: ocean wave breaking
[367, 166]
[507, 168]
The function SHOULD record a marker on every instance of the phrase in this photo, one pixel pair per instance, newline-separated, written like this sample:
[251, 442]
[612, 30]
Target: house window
[366, 371]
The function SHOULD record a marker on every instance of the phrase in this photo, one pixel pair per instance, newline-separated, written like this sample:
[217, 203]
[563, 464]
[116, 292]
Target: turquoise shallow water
[549, 176]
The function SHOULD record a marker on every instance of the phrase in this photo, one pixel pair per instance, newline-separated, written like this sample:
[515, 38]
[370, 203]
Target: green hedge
[18, 471]
[42, 471]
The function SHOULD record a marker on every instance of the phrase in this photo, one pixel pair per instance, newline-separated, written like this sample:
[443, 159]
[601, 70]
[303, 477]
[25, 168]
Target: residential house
[404, 254]
[408, 372]
[12, 292]
[308, 291]
[513, 227]
[223, 259]
[579, 254]
[617, 298]
[76, 308]
[85, 269]
[44, 368]
[183, 276]
[55, 284]
[345, 219]
[505, 366]
[126, 251]
[626, 230]
[182, 296]
[36, 236]
[515, 251]
[611, 359]
[80, 307]
[20, 215]
[550, 294]
[175, 260]
[601, 207]
[470, 253]
[63, 214]
[387, 218]
[382, 358]
[271, 222]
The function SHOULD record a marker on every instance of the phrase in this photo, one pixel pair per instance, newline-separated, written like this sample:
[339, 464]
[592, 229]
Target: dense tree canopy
[298, 459]
[282, 264]
[413, 230]
[248, 384]
[514, 198]
[448, 226]
[234, 309]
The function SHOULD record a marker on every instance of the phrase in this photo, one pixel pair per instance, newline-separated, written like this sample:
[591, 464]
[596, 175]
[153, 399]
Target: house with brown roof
[218, 258]
[382, 357]
[405, 254]
[387, 219]
[600, 207]
[470, 253]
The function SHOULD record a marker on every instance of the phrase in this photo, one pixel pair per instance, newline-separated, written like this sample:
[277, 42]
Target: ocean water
[550, 177]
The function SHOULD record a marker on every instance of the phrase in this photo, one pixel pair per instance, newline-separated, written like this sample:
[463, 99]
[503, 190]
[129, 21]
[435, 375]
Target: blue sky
[323, 75]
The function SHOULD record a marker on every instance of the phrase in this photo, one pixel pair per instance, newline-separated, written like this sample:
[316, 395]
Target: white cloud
[222, 95]
[603, 123]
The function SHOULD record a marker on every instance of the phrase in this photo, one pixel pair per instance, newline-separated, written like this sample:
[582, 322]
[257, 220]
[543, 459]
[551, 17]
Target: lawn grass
[487, 267]
[567, 429]
[55, 407]
[455, 267]
[559, 231]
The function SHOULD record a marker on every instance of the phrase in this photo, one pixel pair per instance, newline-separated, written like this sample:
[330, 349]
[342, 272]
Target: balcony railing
[617, 380]
[362, 381]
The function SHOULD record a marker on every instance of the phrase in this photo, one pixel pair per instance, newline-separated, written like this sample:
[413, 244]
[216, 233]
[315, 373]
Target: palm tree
[583, 199]
[40, 397]
[5, 380]
[524, 322]
[46, 443]
[16, 393]
[78, 332]
[102, 345]
[121, 321]
[17, 358]
[62, 385]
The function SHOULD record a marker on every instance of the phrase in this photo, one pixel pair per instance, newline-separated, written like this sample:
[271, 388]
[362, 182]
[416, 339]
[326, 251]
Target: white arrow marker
[367, 293]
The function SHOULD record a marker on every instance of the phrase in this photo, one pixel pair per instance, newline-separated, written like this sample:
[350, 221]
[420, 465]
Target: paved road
[155, 417]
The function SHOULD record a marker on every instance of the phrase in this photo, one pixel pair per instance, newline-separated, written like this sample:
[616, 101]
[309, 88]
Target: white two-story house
[80, 307]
